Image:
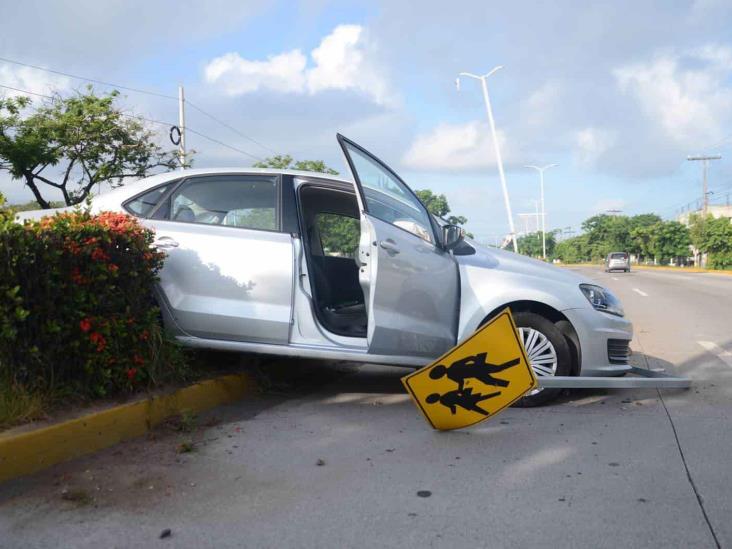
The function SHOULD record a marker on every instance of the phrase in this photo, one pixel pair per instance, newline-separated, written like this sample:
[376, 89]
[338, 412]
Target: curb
[680, 269]
[656, 268]
[31, 451]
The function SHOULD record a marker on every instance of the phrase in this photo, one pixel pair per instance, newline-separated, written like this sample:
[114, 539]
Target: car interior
[230, 201]
[331, 231]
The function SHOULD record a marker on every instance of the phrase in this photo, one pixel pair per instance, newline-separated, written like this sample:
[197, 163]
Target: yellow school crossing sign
[477, 379]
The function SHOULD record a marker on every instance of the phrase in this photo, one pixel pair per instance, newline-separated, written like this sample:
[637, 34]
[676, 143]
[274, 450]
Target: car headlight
[602, 299]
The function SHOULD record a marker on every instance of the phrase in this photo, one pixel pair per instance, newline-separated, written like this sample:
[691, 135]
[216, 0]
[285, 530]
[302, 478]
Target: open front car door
[410, 281]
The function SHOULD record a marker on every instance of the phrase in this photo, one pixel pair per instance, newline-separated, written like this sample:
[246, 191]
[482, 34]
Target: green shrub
[76, 305]
[720, 260]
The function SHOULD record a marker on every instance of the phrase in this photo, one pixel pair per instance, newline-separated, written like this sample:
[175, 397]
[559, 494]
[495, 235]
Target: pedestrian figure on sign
[465, 399]
[473, 367]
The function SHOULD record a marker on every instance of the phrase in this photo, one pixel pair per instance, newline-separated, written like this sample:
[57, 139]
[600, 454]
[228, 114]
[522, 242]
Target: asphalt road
[340, 463]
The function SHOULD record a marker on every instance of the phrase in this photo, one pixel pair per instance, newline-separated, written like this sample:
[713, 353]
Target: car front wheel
[548, 353]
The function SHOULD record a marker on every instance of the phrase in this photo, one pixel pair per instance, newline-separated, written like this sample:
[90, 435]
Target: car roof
[132, 188]
[243, 170]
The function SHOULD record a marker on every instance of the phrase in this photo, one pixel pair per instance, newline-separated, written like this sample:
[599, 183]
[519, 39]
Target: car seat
[184, 213]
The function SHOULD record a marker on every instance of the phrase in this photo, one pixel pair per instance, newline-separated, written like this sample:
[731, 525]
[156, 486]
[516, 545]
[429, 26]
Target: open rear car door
[410, 282]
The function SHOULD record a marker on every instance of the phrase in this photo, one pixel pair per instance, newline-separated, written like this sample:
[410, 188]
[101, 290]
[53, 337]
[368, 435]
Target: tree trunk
[43, 203]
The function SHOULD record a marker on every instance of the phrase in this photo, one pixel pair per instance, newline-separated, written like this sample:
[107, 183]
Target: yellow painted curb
[27, 452]
[655, 268]
[680, 269]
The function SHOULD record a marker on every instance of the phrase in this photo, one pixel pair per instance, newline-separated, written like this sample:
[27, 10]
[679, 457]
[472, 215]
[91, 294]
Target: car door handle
[166, 242]
[390, 246]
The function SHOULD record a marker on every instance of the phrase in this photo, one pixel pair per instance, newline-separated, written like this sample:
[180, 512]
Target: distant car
[617, 261]
[303, 264]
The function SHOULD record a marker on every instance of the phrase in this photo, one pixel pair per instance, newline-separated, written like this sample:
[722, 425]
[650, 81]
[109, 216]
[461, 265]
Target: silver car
[617, 261]
[304, 264]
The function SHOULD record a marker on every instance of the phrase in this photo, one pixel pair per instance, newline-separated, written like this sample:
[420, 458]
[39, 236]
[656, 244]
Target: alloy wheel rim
[540, 352]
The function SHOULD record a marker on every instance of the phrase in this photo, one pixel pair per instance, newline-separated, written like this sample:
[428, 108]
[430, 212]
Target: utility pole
[543, 211]
[705, 166]
[182, 127]
[499, 161]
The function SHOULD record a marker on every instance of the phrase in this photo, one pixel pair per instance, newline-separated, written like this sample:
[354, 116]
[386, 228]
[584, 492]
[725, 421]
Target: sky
[617, 94]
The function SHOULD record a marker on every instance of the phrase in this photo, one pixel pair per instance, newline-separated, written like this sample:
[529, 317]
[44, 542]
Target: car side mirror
[452, 235]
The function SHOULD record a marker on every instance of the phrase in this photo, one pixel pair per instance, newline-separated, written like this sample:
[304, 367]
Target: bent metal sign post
[476, 380]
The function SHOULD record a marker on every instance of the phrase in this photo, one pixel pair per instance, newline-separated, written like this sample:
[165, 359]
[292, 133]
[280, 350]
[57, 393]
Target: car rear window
[618, 256]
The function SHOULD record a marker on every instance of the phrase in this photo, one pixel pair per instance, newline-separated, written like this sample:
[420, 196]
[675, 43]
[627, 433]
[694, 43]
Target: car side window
[142, 205]
[244, 201]
[389, 199]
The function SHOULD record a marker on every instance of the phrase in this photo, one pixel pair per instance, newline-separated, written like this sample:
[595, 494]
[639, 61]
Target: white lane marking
[641, 292]
[724, 356]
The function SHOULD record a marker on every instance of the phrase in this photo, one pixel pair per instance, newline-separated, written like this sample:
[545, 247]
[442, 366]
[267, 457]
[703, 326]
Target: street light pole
[499, 161]
[543, 211]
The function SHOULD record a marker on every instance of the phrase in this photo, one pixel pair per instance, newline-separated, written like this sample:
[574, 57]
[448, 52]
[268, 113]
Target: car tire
[543, 340]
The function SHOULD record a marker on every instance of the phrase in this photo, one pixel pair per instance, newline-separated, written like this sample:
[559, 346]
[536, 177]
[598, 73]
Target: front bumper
[594, 329]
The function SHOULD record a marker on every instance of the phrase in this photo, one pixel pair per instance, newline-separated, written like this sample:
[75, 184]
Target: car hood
[505, 261]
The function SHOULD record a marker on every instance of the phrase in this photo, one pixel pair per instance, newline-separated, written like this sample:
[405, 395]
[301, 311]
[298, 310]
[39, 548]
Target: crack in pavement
[694, 488]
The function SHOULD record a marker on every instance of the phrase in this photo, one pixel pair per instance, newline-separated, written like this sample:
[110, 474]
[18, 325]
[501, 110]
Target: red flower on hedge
[137, 359]
[76, 276]
[99, 255]
[85, 325]
[131, 373]
[73, 247]
[112, 268]
[144, 335]
[98, 339]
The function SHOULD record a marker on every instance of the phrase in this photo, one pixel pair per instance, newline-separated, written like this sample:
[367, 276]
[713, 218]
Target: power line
[224, 144]
[95, 81]
[232, 128]
[168, 124]
[147, 92]
[152, 120]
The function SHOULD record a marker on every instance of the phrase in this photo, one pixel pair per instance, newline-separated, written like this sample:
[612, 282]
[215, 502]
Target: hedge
[76, 305]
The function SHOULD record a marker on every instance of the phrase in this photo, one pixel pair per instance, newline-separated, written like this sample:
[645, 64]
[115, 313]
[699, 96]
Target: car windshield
[618, 256]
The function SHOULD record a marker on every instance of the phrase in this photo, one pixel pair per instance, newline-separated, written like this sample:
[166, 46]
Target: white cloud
[541, 106]
[591, 144]
[455, 147]
[32, 80]
[688, 95]
[235, 75]
[340, 62]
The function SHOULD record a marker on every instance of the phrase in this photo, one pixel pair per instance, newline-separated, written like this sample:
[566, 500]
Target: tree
[640, 232]
[607, 233]
[286, 162]
[531, 244]
[437, 205]
[641, 239]
[713, 236]
[83, 140]
[670, 241]
[573, 250]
